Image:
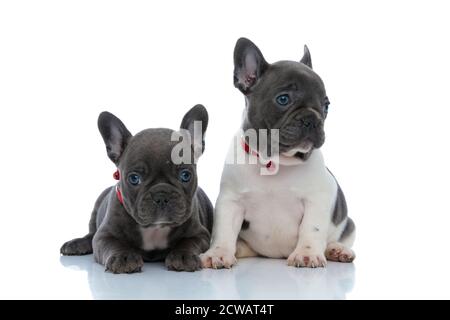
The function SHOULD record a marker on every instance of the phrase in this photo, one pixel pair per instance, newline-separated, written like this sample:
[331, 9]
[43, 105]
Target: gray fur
[340, 208]
[114, 229]
[306, 57]
[348, 230]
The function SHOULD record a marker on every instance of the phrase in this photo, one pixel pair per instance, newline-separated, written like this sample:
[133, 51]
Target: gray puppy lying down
[156, 211]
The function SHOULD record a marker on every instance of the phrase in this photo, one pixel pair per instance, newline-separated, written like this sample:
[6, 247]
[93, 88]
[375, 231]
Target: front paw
[306, 258]
[217, 258]
[77, 247]
[124, 263]
[183, 261]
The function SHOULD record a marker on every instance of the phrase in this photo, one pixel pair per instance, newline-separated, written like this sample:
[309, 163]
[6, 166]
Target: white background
[385, 65]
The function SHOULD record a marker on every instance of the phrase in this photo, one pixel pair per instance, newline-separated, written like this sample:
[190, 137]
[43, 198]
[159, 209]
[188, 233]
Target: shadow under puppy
[156, 211]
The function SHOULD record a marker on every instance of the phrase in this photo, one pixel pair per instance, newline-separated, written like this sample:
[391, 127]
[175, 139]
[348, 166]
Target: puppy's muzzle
[162, 204]
[308, 122]
[161, 199]
[300, 130]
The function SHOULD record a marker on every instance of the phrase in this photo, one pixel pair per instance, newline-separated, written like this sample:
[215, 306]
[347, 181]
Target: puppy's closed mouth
[159, 224]
[300, 152]
[300, 155]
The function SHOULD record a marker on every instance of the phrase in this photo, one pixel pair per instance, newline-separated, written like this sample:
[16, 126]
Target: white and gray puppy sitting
[296, 210]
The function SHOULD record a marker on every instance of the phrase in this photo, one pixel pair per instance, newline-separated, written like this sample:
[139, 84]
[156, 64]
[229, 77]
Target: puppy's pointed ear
[195, 121]
[115, 135]
[249, 65]
[306, 57]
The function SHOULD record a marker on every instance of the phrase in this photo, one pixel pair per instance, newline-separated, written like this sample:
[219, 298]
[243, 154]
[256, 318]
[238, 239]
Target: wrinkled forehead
[151, 147]
[290, 74]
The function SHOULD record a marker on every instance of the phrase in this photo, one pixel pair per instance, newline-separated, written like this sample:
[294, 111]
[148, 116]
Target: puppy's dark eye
[283, 99]
[325, 105]
[134, 179]
[185, 175]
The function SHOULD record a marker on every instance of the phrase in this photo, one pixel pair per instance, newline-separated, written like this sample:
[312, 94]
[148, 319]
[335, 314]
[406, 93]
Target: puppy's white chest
[155, 238]
[274, 218]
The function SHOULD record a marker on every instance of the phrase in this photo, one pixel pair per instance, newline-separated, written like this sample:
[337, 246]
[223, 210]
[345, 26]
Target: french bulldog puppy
[156, 211]
[298, 212]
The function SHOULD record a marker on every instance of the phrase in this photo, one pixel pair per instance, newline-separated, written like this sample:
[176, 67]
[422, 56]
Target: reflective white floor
[252, 278]
[380, 271]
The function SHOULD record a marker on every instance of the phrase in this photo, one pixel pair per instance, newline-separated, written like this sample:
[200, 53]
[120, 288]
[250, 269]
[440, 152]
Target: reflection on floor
[252, 278]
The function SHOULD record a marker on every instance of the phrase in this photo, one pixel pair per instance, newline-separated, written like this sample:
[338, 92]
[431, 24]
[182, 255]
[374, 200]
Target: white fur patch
[304, 148]
[288, 211]
[154, 238]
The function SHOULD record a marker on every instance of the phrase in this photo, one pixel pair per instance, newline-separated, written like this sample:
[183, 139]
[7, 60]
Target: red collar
[116, 176]
[269, 165]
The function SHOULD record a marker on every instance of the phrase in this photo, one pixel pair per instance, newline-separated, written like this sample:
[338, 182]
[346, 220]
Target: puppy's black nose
[161, 199]
[308, 122]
